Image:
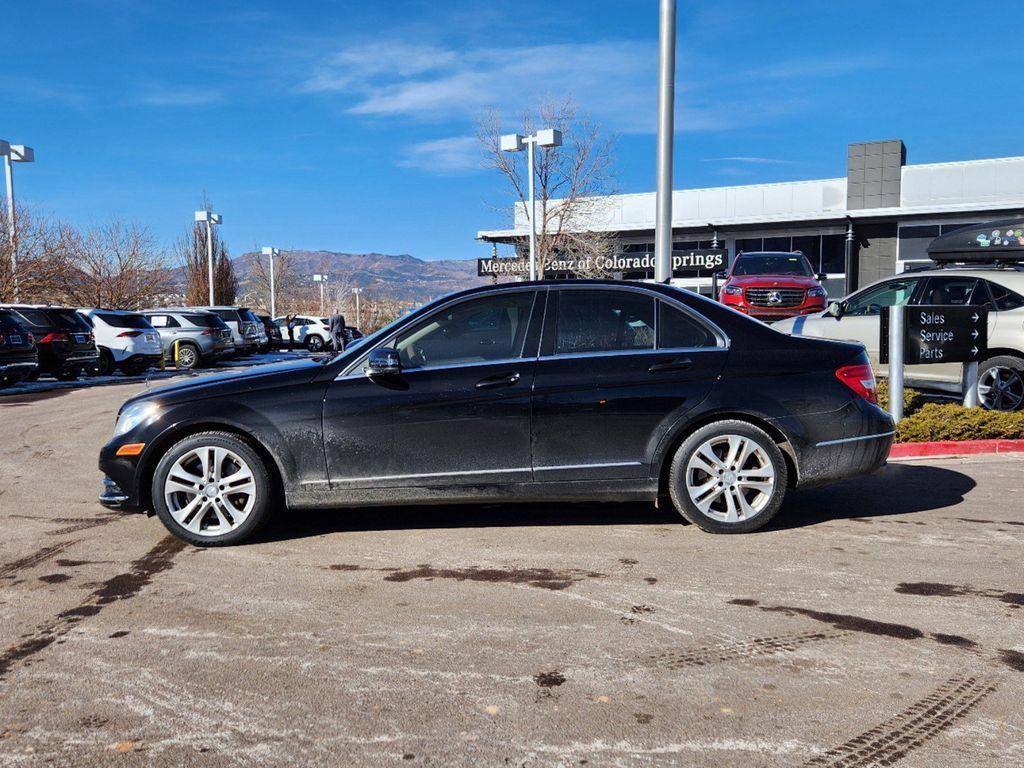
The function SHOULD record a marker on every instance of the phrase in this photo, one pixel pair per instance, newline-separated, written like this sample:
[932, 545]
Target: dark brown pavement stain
[1013, 659]
[543, 578]
[120, 587]
[935, 589]
[551, 679]
[54, 578]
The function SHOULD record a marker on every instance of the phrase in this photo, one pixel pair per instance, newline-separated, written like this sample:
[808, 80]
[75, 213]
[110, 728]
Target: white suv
[125, 341]
[1000, 289]
[313, 333]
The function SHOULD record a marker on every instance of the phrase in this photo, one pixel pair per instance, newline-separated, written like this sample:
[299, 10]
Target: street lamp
[357, 291]
[513, 142]
[272, 252]
[14, 153]
[322, 279]
[210, 218]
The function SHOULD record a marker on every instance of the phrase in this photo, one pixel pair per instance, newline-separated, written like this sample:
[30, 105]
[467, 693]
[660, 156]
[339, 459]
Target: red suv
[773, 286]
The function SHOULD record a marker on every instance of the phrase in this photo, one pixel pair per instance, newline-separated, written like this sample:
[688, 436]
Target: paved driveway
[878, 622]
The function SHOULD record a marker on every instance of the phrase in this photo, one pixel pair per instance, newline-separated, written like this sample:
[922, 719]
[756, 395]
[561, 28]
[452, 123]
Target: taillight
[861, 379]
[211, 332]
[50, 338]
[129, 334]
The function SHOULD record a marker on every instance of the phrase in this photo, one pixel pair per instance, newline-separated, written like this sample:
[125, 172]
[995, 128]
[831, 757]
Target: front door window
[888, 294]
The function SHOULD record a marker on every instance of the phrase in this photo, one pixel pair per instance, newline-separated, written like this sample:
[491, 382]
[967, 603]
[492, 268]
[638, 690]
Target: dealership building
[874, 222]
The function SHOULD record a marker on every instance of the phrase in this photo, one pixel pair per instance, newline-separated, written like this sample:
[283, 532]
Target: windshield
[124, 321]
[788, 264]
[206, 321]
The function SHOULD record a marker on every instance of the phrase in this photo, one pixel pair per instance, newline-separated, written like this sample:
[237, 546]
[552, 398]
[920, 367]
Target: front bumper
[768, 314]
[113, 497]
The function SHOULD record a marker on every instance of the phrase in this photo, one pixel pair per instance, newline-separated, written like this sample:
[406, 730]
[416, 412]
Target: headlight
[733, 290]
[819, 291]
[134, 415]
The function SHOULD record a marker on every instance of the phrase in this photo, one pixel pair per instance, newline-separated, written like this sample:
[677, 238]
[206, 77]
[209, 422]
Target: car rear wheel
[68, 374]
[728, 477]
[104, 365]
[212, 489]
[315, 343]
[1001, 383]
[134, 369]
[188, 357]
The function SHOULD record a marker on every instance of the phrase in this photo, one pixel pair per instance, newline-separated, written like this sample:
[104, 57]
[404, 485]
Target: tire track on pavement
[39, 556]
[739, 650]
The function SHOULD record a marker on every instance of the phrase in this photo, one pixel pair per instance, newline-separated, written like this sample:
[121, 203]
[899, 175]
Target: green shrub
[912, 399]
[933, 422]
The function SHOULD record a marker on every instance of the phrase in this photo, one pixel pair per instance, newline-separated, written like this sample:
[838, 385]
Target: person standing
[338, 331]
[290, 322]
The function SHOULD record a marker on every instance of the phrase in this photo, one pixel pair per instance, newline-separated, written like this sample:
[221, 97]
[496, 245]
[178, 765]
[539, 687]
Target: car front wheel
[1001, 383]
[728, 477]
[212, 489]
[315, 344]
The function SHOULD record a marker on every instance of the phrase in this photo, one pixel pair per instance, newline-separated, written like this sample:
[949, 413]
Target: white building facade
[873, 223]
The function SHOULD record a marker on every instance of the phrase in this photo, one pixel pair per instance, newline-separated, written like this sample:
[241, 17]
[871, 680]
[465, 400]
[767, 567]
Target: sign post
[933, 334]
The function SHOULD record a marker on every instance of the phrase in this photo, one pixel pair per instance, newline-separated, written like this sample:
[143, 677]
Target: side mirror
[383, 361]
[836, 309]
[720, 274]
[821, 276]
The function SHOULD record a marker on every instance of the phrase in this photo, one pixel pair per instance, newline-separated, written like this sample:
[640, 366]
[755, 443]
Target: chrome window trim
[724, 343]
[842, 440]
[360, 361]
[606, 465]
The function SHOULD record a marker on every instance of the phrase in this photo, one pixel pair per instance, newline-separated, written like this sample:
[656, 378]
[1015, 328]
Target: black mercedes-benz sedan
[556, 390]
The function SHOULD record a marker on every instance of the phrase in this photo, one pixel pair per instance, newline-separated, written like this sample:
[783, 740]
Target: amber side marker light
[130, 449]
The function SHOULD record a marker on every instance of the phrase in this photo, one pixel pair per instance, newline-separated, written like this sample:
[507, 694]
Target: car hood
[232, 382]
[772, 281]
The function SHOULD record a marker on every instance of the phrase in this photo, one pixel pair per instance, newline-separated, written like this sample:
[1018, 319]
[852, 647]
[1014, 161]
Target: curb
[947, 448]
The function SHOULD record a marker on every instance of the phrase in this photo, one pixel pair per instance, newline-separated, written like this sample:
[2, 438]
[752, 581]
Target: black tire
[764, 502]
[264, 490]
[188, 357]
[1001, 383]
[315, 343]
[104, 365]
[68, 374]
[134, 369]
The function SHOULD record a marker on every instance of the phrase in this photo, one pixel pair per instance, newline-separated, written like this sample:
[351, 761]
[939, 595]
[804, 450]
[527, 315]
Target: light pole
[357, 291]
[14, 153]
[666, 126]
[514, 142]
[272, 252]
[210, 218]
[322, 279]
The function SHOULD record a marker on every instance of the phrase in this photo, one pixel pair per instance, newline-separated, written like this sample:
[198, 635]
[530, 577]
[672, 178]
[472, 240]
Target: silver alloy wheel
[210, 491]
[315, 343]
[186, 356]
[1001, 389]
[730, 478]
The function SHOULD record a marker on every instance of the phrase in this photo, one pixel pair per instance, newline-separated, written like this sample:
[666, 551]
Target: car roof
[1009, 276]
[104, 310]
[176, 310]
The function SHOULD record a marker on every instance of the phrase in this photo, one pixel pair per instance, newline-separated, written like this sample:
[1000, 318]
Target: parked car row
[313, 333]
[65, 342]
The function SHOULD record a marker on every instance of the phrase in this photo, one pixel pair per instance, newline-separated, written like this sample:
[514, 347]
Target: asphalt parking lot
[878, 622]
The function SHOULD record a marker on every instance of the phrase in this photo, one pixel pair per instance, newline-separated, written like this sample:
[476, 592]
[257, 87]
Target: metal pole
[11, 231]
[532, 143]
[896, 362]
[209, 254]
[971, 399]
[321, 297]
[848, 257]
[666, 108]
[273, 305]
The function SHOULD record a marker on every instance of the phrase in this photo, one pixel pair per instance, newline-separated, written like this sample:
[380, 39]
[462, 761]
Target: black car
[273, 333]
[18, 356]
[558, 390]
[63, 337]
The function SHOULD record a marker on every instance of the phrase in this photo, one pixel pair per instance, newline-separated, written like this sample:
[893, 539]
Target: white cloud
[453, 155]
[746, 159]
[179, 97]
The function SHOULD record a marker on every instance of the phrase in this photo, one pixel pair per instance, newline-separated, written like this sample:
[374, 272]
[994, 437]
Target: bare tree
[191, 250]
[116, 265]
[43, 257]
[571, 181]
[286, 282]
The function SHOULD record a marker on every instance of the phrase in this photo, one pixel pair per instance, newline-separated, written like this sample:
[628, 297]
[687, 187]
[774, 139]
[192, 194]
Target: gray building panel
[873, 172]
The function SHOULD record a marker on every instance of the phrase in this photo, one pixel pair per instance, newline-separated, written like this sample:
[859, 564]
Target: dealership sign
[684, 264]
[939, 334]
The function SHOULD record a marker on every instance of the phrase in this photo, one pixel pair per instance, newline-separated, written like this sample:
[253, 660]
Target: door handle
[503, 380]
[676, 364]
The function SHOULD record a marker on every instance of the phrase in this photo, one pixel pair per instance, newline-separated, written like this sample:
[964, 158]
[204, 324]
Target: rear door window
[677, 330]
[603, 321]
[956, 291]
[1003, 299]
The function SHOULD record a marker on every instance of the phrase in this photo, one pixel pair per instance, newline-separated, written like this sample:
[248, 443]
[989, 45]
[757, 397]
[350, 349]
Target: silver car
[247, 332]
[192, 336]
[1000, 289]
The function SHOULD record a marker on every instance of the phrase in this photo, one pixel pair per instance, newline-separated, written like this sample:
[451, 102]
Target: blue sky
[348, 125]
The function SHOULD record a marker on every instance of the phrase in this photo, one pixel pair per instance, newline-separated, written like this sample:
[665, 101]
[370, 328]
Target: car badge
[774, 297]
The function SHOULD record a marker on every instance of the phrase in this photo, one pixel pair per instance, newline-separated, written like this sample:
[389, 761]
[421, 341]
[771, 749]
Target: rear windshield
[68, 318]
[249, 316]
[772, 264]
[227, 315]
[206, 321]
[124, 321]
[9, 324]
[35, 317]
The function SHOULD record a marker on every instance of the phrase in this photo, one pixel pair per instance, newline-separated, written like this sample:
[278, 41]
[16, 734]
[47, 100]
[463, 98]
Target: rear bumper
[17, 369]
[858, 443]
[141, 358]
